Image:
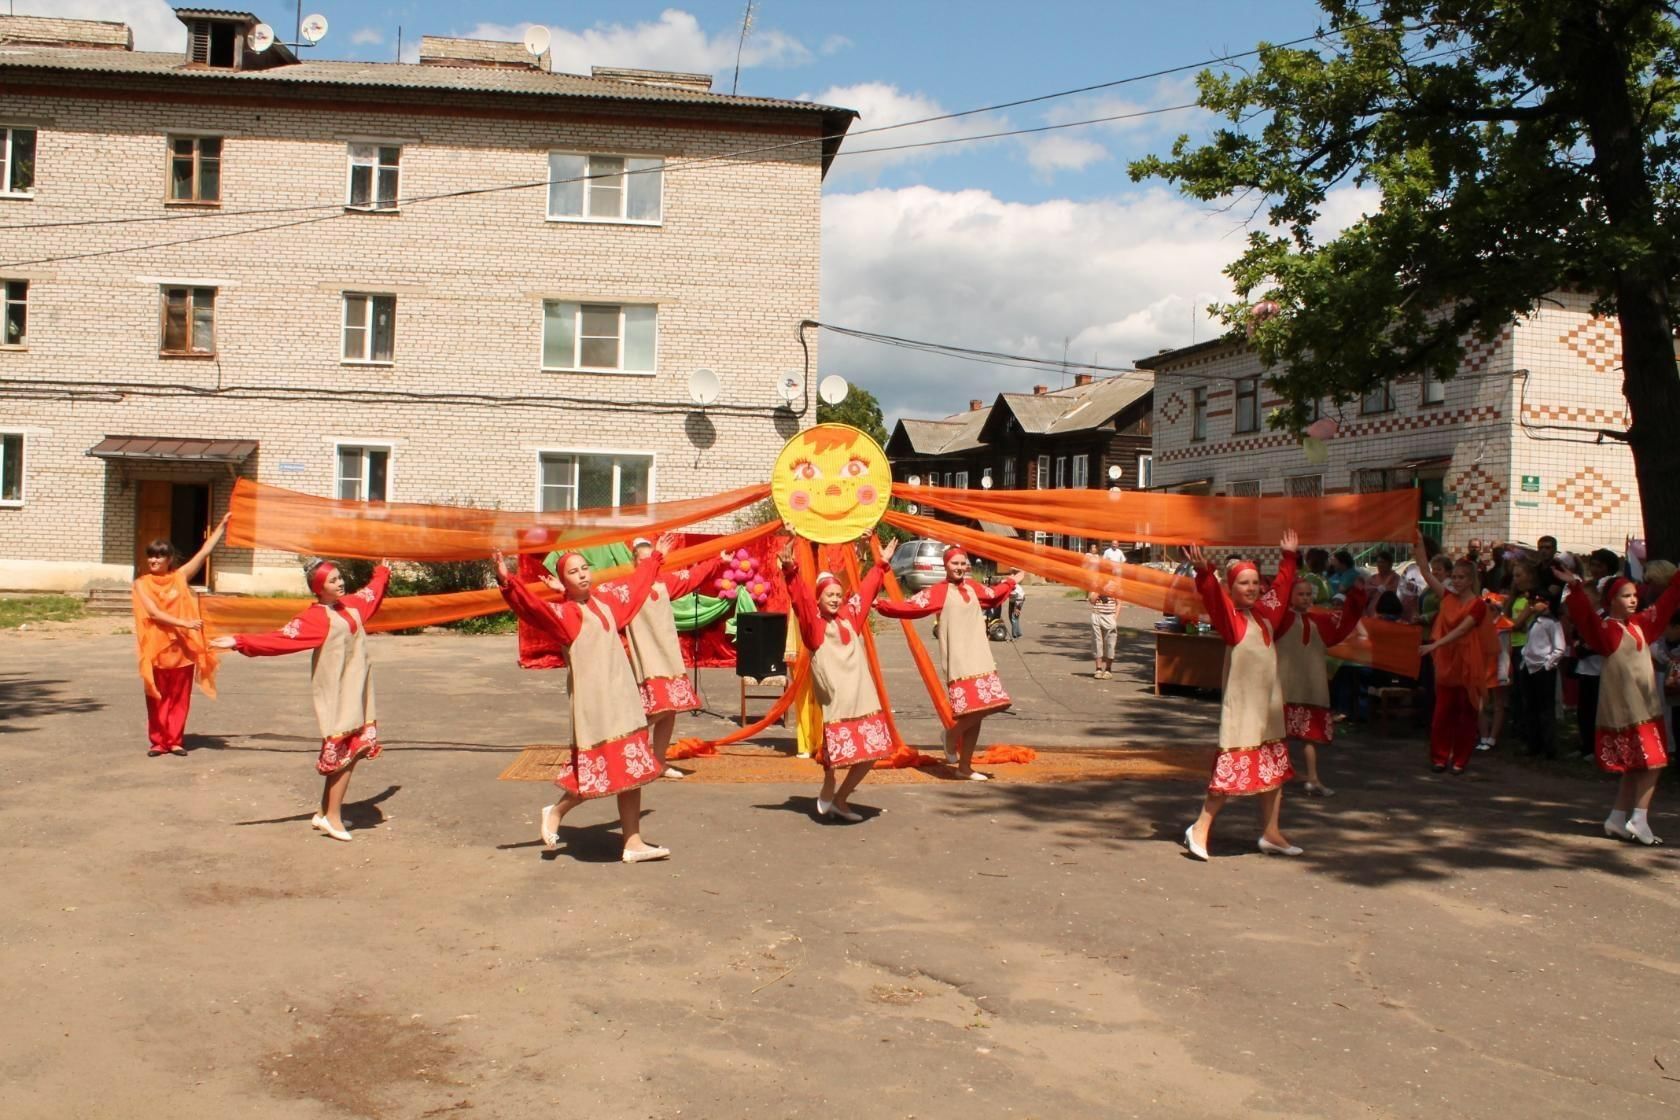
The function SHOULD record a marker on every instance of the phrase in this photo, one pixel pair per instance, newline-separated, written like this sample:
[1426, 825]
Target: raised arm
[1221, 613]
[1653, 620]
[191, 567]
[1336, 629]
[686, 581]
[370, 598]
[990, 597]
[624, 598]
[868, 591]
[1274, 604]
[307, 631]
[803, 602]
[559, 619]
[928, 601]
[1420, 557]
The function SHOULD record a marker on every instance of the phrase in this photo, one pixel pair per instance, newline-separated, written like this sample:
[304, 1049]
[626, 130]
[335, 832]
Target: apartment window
[1248, 404]
[195, 169]
[17, 160]
[1043, 480]
[189, 321]
[1198, 412]
[1304, 486]
[1372, 480]
[1434, 390]
[604, 188]
[1146, 472]
[1061, 471]
[375, 175]
[1008, 472]
[370, 327]
[1378, 399]
[16, 329]
[1247, 488]
[950, 480]
[11, 468]
[364, 473]
[1081, 471]
[607, 337]
[571, 481]
[961, 482]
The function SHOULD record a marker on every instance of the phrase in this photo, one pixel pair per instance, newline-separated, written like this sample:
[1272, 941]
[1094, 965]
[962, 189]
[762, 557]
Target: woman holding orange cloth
[1631, 738]
[1303, 650]
[169, 635]
[971, 678]
[855, 735]
[1465, 650]
[1253, 756]
[611, 750]
[334, 627]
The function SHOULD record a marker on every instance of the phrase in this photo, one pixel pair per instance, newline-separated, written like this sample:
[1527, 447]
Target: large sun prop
[831, 483]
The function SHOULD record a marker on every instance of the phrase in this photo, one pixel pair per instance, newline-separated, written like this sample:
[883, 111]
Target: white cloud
[1061, 152]
[153, 21]
[883, 105]
[675, 41]
[834, 44]
[367, 37]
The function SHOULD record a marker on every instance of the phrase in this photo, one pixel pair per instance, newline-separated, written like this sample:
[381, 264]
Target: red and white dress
[854, 726]
[971, 678]
[1304, 639]
[655, 654]
[340, 674]
[1631, 734]
[1253, 756]
[610, 748]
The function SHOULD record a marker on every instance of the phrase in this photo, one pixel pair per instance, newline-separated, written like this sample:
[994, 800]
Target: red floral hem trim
[1308, 722]
[847, 742]
[1251, 770]
[339, 751]
[669, 694]
[614, 766]
[977, 695]
[1644, 746]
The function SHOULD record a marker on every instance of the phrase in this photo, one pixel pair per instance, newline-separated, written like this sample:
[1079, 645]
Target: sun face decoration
[831, 483]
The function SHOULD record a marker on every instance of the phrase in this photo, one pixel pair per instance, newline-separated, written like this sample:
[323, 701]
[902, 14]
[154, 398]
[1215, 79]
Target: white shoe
[645, 855]
[1484, 744]
[322, 824]
[1272, 849]
[550, 833]
[1643, 834]
[1617, 831]
[976, 776]
[673, 772]
[846, 813]
[1314, 789]
[1196, 850]
[824, 808]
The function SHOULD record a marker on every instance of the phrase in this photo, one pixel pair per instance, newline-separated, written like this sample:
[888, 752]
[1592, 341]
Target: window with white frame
[1043, 480]
[1248, 404]
[195, 169]
[188, 320]
[364, 472]
[17, 161]
[1304, 486]
[1246, 488]
[1146, 472]
[375, 176]
[1008, 472]
[950, 479]
[600, 337]
[961, 482]
[1040, 536]
[11, 468]
[1434, 390]
[590, 480]
[14, 327]
[587, 188]
[1061, 471]
[1377, 399]
[1081, 471]
[370, 327]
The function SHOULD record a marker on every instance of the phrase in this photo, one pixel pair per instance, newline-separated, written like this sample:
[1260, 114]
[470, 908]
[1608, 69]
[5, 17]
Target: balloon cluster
[742, 571]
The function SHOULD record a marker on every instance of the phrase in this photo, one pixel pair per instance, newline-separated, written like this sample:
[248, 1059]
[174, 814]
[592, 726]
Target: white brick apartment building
[1507, 450]
[232, 263]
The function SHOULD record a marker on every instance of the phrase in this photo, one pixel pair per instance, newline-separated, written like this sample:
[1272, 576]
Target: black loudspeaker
[760, 644]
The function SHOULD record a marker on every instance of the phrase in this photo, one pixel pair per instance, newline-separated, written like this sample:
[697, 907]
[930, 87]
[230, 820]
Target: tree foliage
[861, 410]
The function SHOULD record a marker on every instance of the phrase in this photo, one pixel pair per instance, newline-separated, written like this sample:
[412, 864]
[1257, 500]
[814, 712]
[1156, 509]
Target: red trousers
[166, 714]
[1455, 728]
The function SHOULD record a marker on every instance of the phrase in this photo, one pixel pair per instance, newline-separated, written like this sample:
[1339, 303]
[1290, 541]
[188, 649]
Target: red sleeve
[1274, 604]
[1336, 629]
[560, 619]
[867, 592]
[1652, 621]
[624, 597]
[1588, 625]
[686, 581]
[804, 604]
[370, 598]
[1221, 613]
[307, 631]
[923, 603]
[991, 596]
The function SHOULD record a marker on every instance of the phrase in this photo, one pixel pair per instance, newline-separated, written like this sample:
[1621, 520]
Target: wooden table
[1189, 661]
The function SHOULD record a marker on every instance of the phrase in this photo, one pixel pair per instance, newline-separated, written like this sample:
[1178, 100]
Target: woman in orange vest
[169, 635]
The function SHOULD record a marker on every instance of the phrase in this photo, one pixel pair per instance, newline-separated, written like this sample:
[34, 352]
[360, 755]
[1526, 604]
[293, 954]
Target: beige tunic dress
[655, 649]
[1253, 757]
[854, 726]
[971, 677]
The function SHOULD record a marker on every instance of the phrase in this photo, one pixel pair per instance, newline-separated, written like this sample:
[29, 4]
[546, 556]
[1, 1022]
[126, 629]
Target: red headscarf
[1237, 568]
[954, 550]
[318, 575]
[1615, 586]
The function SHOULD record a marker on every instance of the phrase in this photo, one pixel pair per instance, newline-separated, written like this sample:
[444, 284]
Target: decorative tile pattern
[1477, 355]
[1597, 342]
[1589, 495]
[1477, 492]
[1377, 425]
[1573, 414]
[1173, 408]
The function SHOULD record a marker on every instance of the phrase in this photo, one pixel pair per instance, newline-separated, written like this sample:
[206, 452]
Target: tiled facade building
[1508, 450]
[234, 264]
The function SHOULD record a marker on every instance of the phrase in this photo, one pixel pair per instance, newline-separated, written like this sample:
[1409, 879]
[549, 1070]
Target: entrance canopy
[173, 450]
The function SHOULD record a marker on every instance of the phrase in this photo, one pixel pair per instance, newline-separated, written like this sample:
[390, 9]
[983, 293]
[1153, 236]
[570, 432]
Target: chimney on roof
[76, 34]
[488, 54]
[699, 82]
[1040, 390]
[1082, 379]
[975, 405]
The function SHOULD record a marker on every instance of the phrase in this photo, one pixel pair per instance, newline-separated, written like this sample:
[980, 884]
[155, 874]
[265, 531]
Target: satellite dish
[912, 509]
[914, 480]
[313, 27]
[833, 389]
[260, 38]
[1114, 472]
[985, 482]
[704, 386]
[788, 387]
[536, 40]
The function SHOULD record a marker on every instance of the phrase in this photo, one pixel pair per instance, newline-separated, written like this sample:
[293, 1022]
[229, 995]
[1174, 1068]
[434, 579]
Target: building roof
[98, 34]
[174, 449]
[953, 435]
[1081, 408]
[1174, 357]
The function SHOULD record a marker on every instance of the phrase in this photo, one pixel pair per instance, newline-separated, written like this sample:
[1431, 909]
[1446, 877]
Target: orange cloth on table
[1470, 662]
[168, 647]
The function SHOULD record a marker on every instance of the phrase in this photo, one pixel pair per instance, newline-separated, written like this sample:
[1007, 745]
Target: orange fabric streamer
[783, 702]
[918, 651]
[277, 518]
[1470, 662]
[1182, 518]
[1384, 645]
[237, 614]
[164, 647]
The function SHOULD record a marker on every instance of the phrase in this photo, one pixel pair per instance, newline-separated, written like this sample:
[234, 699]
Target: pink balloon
[1323, 428]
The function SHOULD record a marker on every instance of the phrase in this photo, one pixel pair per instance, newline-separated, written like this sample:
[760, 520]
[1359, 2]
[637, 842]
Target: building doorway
[178, 512]
[1432, 507]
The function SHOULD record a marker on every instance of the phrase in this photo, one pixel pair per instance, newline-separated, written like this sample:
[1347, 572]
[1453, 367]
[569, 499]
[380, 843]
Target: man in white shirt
[1113, 557]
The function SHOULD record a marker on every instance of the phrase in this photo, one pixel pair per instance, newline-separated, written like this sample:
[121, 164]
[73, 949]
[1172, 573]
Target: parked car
[919, 563]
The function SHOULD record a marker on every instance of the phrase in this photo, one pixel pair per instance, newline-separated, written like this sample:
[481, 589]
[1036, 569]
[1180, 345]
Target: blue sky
[1021, 245]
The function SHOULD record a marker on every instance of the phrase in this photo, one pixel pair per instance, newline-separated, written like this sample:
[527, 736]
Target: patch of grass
[40, 608]
[503, 623]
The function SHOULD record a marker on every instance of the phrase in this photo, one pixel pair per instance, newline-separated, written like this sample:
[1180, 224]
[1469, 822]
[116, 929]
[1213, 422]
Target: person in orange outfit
[1465, 648]
[1253, 756]
[1303, 649]
[169, 635]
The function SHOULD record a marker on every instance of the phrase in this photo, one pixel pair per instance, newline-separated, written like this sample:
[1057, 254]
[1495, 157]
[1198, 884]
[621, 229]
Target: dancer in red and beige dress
[341, 677]
[1303, 649]
[971, 677]
[1630, 739]
[611, 752]
[855, 732]
[169, 636]
[655, 654]
[1253, 757]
